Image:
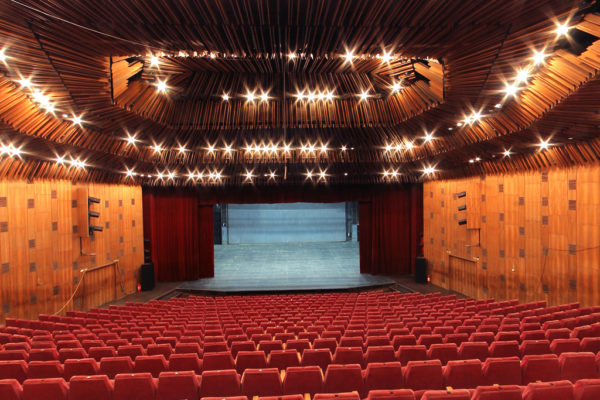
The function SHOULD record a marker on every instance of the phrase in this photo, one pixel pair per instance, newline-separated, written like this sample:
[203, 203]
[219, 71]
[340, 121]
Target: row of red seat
[176, 386]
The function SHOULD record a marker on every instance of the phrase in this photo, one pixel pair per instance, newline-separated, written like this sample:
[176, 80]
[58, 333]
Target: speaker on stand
[147, 269]
[420, 261]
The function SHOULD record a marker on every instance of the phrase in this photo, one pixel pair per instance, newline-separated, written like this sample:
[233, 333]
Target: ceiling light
[428, 137]
[539, 57]
[218, 175]
[161, 86]
[159, 175]
[398, 147]
[344, 148]
[291, 56]
[428, 170]
[264, 96]
[459, 124]
[396, 86]
[131, 139]
[211, 148]
[157, 148]
[154, 61]
[323, 174]
[471, 161]
[388, 147]
[249, 175]
[324, 148]
[511, 89]
[130, 173]
[522, 75]
[2, 55]
[498, 105]
[213, 55]
[225, 97]
[249, 148]
[211, 175]
[25, 83]
[227, 149]
[49, 107]
[250, 96]
[191, 175]
[300, 95]
[385, 173]
[321, 96]
[476, 116]
[60, 160]
[506, 153]
[409, 145]
[562, 29]
[182, 149]
[309, 174]
[394, 174]
[272, 175]
[286, 148]
[386, 57]
[544, 144]
[171, 175]
[329, 96]
[200, 175]
[345, 174]
[349, 56]
[364, 95]
[76, 120]
[311, 147]
[477, 159]
[311, 96]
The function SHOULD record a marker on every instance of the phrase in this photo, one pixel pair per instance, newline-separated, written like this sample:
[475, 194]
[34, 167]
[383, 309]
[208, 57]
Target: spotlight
[131, 139]
[171, 175]
[300, 95]
[291, 56]
[398, 147]
[522, 75]
[386, 57]
[428, 170]
[25, 83]
[511, 89]
[499, 105]
[249, 175]
[264, 97]
[225, 97]
[324, 148]
[76, 120]
[161, 86]
[394, 174]
[182, 149]
[228, 149]
[311, 96]
[544, 144]
[349, 56]
[428, 137]
[396, 87]
[130, 173]
[211, 148]
[157, 148]
[321, 96]
[160, 175]
[385, 174]
[329, 96]
[286, 148]
[154, 61]
[248, 148]
[506, 153]
[364, 95]
[2, 55]
[250, 96]
[344, 148]
[272, 175]
[388, 147]
[311, 148]
[562, 29]
[539, 57]
[323, 175]
[476, 116]
[309, 174]
[60, 160]
[409, 145]
[218, 175]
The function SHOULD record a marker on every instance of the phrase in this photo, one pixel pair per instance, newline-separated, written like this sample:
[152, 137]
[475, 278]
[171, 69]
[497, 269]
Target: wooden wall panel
[42, 252]
[539, 235]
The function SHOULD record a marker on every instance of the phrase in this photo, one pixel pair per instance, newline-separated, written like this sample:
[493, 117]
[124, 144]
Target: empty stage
[286, 267]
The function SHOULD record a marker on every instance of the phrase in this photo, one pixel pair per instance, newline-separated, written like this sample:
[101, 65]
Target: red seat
[300, 380]
[178, 385]
[43, 355]
[380, 354]
[299, 345]
[458, 394]
[337, 396]
[220, 383]
[576, 366]
[269, 345]
[559, 346]
[318, 357]
[261, 382]
[443, 352]
[134, 387]
[221, 360]
[282, 359]
[558, 333]
[321, 343]
[348, 355]
[505, 349]
[83, 366]
[487, 337]
[589, 344]
[187, 348]
[45, 389]
[508, 392]
[533, 335]
[111, 366]
[157, 349]
[132, 350]
[502, 371]
[352, 341]
[403, 340]
[429, 339]
[152, 364]
[246, 345]
[97, 387]
[285, 397]
[400, 394]
[185, 362]
[13, 369]
[250, 359]
[464, 374]
[561, 390]
[10, 389]
[587, 389]
[98, 352]
[533, 347]
[411, 353]
[386, 375]
[424, 375]
[343, 378]
[13, 355]
[71, 353]
[544, 368]
[473, 350]
[45, 369]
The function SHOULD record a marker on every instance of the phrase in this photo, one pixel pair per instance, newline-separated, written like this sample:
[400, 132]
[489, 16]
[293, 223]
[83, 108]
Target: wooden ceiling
[453, 59]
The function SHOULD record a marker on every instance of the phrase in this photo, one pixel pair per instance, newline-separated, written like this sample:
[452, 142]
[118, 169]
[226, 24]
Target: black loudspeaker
[420, 270]
[147, 276]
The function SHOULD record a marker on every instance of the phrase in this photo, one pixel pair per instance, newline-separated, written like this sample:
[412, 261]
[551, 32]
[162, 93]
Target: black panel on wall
[217, 223]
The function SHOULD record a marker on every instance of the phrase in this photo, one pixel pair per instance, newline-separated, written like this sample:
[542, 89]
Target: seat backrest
[111, 366]
[455, 394]
[300, 380]
[282, 359]
[185, 362]
[139, 386]
[152, 364]
[423, 375]
[47, 354]
[261, 382]
[343, 378]
[473, 350]
[221, 360]
[98, 352]
[45, 369]
[508, 348]
[559, 346]
[406, 354]
[13, 369]
[506, 392]
[380, 354]
[560, 390]
[82, 366]
[250, 359]
[502, 371]
[178, 385]
[220, 383]
[443, 352]
[242, 345]
[348, 355]
[399, 394]
[10, 389]
[533, 347]
[383, 375]
[94, 387]
[47, 389]
[576, 366]
[544, 368]
[319, 357]
[587, 389]
[464, 374]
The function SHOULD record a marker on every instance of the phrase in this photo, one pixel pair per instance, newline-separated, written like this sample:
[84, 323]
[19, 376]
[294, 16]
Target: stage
[286, 267]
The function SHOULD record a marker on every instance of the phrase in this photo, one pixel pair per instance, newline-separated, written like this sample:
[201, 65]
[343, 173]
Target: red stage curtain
[181, 235]
[388, 231]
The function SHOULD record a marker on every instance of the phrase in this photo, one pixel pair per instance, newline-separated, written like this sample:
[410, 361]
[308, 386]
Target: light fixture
[344, 148]
[200, 175]
[511, 89]
[477, 159]
[539, 57]
[398, 147]
[329, 96]
[218, 175]
[409, 145]
[25, 83]
[349, 56]
[153, 61]
[213, 55]
[272, 175]
[476, 116]
[499, 105]
[323, 175]
[562, 29]
[522, 75]
[130, 173]
[388, 147]
[471, 161]
[386, 57]
[385, 173]
[311, 96]
[248, 148]
[506, 153]
[161, 86]
[428, 137]
[157, 148]
[394, 173]
[264, 96]
[2, 55]
[324, 148]
[211, 148]
[459, 124]
[300, 95]
[160, 175]
[428, 170]
[171, 175]
[182, 149]
[396, 87]
[544, 144]
[345, 174]
[14, 151]
[309, 174]
[249, 175]
[191, 175]
[321, 96]
[286, 148]
[76, 120]
[60, 160]
[311, 147]
[228, 149]
[364, 95]
[131, 139]
[250, 96]
[225, 97]
[291, 55]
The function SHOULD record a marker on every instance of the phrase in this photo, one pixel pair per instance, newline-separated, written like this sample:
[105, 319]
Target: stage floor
[286, 267]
